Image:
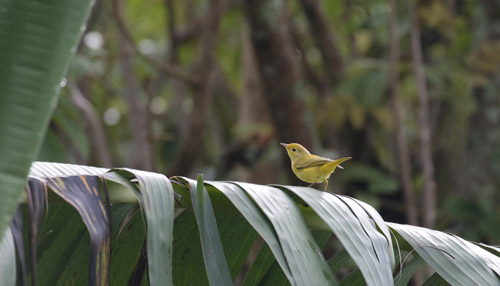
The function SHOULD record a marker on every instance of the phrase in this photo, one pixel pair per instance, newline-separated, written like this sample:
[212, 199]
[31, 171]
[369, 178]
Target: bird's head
[295, 150]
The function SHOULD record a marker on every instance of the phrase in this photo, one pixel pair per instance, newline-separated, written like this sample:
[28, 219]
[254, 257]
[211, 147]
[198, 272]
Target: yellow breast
[311, 175]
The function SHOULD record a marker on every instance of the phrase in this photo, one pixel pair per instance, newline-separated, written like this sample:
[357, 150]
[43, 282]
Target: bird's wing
[313, 162]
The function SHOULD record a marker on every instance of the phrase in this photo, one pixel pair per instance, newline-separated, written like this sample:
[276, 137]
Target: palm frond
[217, 227]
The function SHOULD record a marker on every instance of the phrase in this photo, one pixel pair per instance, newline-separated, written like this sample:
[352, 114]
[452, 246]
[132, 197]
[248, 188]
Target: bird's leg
[326, 184]
[310, 185]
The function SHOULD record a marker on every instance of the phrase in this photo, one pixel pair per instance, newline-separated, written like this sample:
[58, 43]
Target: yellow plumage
[311, 168]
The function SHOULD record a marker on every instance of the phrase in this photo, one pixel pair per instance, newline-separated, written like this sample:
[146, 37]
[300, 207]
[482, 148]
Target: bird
[311, 168]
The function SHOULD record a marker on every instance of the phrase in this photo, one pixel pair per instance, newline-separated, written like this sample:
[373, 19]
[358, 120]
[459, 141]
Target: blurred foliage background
[212, 87]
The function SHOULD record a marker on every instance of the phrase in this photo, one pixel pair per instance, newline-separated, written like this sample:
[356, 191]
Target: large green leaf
[61, 232]
[156, 196]
[37, 39]
[354, 228]
[256, 218]
[17, 231]
[407, 271]
[46, 169]
[456, 260]
[82, 193]
[275, 277]
[260, 266]
[188, 257]
[64, 247]
[237, 238]
[230, 215]
[338, 260]
[125, 247]
[355, 278]
[7, 259]
[436, 280]
[157, 201]
[305, 260]
[35, 192]
[215, 261]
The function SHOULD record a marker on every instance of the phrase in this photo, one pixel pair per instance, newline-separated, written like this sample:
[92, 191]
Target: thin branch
[166, 68]
[94, 125]
[429, 191]
[402, 142]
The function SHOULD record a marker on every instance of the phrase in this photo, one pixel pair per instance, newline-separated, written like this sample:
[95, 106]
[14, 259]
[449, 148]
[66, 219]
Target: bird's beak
[283, 144]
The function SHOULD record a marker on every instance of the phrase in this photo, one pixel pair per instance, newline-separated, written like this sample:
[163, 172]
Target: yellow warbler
[311, 168]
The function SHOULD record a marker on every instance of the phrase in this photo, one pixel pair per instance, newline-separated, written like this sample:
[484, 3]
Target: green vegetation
[408, 89]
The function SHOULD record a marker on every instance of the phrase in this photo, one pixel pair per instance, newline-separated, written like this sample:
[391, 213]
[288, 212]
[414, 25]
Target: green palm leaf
[213, 230]
[215, 262]
[37, 39]
[7, 257]
[407, 271]
[456, 260]
[81, 192]
[305, 260]
[353, 227]
[256, 218]
[63, 239]
[155, 193]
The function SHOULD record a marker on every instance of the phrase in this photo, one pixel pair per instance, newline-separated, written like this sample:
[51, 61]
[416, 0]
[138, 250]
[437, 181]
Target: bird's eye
[294, 149]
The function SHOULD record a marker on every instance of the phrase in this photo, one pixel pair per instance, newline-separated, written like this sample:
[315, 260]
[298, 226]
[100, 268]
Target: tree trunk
[192, 146]
[255, 117]
[402, 142]
[429, 191]
[279, 71]
[137, 105]
[324, 39]
[277, 64]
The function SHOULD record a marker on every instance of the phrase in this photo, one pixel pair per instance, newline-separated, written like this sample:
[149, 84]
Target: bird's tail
[330, 166]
